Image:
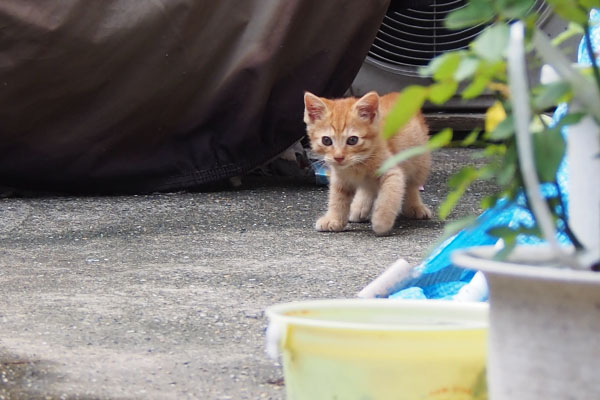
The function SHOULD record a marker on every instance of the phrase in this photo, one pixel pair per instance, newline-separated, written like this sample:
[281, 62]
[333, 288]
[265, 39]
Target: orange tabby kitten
[347, 133]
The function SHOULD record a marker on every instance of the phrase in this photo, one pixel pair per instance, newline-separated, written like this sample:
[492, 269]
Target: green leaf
[549, 149]
[471, 137]
[486, 71]
[534, 231]
[476, 12]
[476, 87]
[460, 181]
[452, 228]
[569, 10]
[509, 236]
[492, 43]
[443, 66]
[408, 104]
[506, 174]
[515, 9]
[513, 189]
[507, 169]
[428, 70]
[492, 150]
[504, 130]
[448, 64]
[466, 69]
[489, 201]
[441, 139]
[503, 232]
[440, 93]
[589, 4]
[486, 172]
[571, 119]
[509, 246]
[450, 202]
[402, 156]
[550, 95]
[466, 174]
[571, 31]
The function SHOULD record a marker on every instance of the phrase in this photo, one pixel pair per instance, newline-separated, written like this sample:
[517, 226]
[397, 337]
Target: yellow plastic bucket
[381, 349]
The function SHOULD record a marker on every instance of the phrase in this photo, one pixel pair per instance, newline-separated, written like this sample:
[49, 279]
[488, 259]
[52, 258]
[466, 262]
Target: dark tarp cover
[151, 95]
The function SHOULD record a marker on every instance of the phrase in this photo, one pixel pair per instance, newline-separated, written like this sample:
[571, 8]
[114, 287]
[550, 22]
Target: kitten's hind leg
[413, 205]
[362, 204]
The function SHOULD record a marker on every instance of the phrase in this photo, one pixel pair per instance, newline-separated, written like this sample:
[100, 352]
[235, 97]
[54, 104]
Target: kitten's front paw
[329, 224]
[419, 211]
[382, 225]
[359, 214]
[360, 209]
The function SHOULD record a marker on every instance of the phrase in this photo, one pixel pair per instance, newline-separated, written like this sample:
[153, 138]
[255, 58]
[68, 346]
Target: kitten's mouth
[341, 164]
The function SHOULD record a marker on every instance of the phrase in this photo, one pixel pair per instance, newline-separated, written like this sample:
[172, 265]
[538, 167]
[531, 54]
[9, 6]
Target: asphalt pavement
[162, 296]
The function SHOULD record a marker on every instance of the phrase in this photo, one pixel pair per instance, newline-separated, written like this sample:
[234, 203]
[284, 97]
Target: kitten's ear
[314, 108]
[367, 106]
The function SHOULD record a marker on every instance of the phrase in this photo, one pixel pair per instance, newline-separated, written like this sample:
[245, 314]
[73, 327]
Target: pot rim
[477, 314]
[526, 261]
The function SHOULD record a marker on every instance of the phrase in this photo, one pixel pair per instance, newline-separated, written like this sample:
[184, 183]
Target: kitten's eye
[326, 140]
[352, 140]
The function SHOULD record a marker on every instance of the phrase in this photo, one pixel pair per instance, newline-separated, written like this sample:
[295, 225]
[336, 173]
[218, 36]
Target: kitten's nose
[339, 159]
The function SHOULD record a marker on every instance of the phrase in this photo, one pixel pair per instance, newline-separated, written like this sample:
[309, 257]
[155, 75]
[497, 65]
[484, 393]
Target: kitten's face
[343, 131]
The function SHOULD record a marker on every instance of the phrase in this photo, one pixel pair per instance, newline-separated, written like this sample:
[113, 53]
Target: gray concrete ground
[162, 296]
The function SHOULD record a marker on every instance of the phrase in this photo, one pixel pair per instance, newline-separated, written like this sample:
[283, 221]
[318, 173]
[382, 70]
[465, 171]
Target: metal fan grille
[410, 38]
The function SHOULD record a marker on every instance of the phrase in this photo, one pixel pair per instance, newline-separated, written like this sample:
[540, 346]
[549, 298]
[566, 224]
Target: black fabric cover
[151, 95]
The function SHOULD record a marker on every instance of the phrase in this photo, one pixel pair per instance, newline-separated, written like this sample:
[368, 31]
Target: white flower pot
[544, 340]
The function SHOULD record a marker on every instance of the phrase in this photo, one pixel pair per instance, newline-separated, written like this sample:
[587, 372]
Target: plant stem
[568, 231]
[517, 74]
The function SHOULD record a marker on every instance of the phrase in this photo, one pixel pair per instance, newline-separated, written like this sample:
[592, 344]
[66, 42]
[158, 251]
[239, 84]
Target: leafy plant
[482, 68]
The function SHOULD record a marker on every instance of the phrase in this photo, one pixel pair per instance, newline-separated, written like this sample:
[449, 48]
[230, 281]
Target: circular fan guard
[410, 38]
